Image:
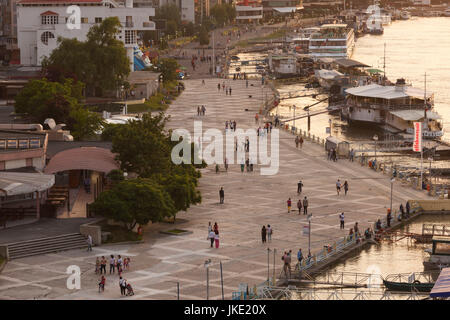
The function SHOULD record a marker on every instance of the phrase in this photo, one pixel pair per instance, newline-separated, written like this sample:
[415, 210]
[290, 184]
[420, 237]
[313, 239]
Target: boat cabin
[441, 246]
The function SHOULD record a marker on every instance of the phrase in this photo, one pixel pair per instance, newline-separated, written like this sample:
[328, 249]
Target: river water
[413, 48]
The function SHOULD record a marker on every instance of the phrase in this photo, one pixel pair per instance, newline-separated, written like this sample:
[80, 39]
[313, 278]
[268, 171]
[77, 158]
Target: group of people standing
[339, 186]
[225, 88]
[266, 233]
[121, 264]
[213, 234]
[230, 124]
[332, 155]
[298, 141]
[201, 110]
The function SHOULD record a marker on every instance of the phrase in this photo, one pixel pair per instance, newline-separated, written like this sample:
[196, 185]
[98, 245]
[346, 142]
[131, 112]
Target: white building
[187, 8]
[249, 11]
[41, 22]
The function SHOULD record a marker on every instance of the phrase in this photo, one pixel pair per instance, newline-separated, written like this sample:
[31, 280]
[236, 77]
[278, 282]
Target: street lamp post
[207, 263]
[309, 232]
[295, 129]
[392, 185]
[375, 138]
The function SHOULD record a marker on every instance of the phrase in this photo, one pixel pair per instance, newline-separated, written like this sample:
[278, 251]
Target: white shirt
[112, 261]
[212, 235]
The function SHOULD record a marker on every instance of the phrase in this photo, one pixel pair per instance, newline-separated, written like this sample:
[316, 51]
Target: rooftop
[387, 92]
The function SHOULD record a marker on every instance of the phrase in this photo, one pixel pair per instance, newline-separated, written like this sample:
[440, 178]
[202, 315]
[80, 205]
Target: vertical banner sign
[417, 145]
[305, 230]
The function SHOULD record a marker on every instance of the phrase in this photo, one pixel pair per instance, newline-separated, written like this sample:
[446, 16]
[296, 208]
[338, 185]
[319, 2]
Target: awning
[414, 115]
[285, 9]
[441, 288]
[15, 183]
[327, 74]
[349, 63]
[84, 158]
[387, 92]
[374, 71]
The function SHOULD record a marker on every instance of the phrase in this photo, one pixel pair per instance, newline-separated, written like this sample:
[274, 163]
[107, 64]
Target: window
[45, 36]
[84, 20]
[130, 36]
[98, 20]
[49, 19]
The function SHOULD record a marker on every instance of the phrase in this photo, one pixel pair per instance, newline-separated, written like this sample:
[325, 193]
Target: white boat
[447, 13]
[405, 15]
[393, 108]
[332, 41]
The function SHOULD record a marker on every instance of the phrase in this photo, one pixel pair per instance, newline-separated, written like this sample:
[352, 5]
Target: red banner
[417, 145]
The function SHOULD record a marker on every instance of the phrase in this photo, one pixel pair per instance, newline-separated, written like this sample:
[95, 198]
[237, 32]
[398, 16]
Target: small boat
[439, 253]
[416, 281]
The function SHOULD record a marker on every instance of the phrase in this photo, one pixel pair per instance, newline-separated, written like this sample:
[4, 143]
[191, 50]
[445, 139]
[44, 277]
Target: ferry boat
[332, 41]
[439, 253]
[394, 108]
[420, 281]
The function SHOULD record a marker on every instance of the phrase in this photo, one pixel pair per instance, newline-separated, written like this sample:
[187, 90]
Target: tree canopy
[223, 13]
[171, 14]
[144, 147]
[42, 99]
[100, 62]
[168, 68]
[135, 201]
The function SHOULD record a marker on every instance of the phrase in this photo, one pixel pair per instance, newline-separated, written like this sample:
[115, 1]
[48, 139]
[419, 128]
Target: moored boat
[416, 281]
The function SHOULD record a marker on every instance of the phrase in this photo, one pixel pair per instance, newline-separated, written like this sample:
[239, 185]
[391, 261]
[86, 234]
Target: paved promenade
[251, 200]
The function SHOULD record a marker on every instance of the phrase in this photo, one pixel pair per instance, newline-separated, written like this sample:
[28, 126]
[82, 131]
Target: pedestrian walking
[216, 227]
[338, 186]
[289, 204]
[216, 239]
[230, 91]
[89, 243]
[263, 234]
[218, 87]
[402, 211]
[299, 258]
[301, 142]
[297, 141]
[305, 205]
[342, 220]
[299, 206]
[221, 195]
[246, 83]
[388, 217]
[256, 118]
[299, 186]
[103, 265]
[356, 229]
[211, 236]
[101, 284]
[226, 164]
[269, 232]
[345, 187]
[198, 111]
[112, 264]
[407, 209]
[123, 286]
[209, 227]
[97, 265]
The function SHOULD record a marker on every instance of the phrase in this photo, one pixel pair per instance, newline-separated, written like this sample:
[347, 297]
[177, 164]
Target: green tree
[171, 27]
[135, 201]
[100, 62]
[84, 124]
[203, 36]
[42, 99]
[168, 68]
[142, 146]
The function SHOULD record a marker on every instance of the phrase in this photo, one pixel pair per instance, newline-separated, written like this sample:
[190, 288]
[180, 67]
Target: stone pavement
[251, 201]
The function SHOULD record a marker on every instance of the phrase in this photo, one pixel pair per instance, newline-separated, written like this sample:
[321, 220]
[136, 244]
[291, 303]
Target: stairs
[46, 245]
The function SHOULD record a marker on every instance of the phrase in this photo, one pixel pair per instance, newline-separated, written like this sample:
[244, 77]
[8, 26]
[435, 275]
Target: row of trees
[161, 189]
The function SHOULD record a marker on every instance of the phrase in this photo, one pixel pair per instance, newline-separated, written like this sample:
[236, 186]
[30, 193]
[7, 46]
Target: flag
[417, 145]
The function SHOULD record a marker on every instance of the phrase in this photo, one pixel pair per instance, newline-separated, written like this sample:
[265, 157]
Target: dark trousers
[212, 242]
[102, 268]
[123, 290]
[342, 224]
[112, 268]
[305, 210]
[221, 199]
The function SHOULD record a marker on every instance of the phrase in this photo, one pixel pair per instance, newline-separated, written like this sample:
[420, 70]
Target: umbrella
[373, 71]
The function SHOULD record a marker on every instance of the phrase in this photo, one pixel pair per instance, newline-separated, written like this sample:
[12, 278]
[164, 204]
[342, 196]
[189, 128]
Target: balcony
[129, 24]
